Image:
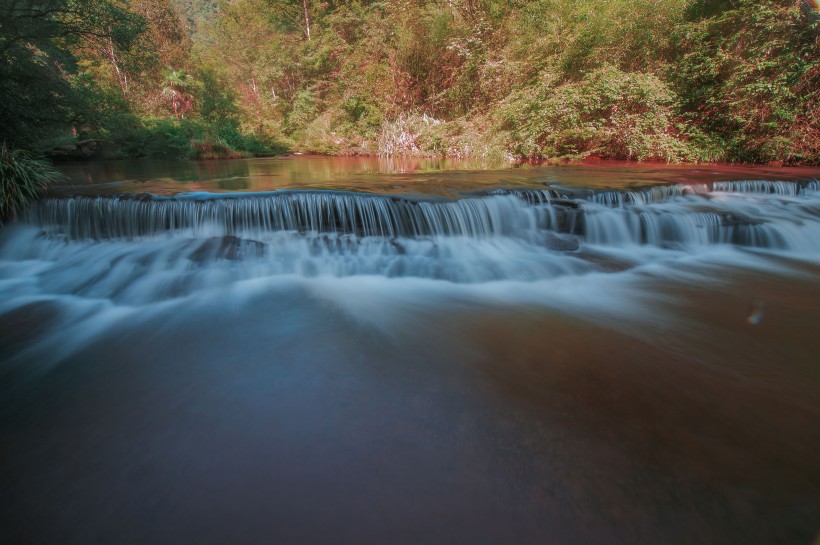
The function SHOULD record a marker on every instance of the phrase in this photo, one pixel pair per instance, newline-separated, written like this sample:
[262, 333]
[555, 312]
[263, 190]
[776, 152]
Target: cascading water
[139, 249]
[751, 213]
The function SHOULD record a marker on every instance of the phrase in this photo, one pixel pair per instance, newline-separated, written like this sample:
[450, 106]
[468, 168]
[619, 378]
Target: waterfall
[762, 214]
[136, 250]
[319, 212]
[758, 186]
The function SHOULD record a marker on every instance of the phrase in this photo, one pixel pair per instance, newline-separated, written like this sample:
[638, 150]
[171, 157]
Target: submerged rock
[399, 248]
[79, 151]
[227, 247]
[606, 263]
[566, 203]
[561, 243]
[735, 219]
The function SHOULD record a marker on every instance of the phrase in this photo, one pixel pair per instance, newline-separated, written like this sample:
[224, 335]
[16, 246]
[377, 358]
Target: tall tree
[36, 63]
[137, 67]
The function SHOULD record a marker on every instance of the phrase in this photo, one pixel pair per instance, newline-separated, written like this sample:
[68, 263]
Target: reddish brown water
[389, 175]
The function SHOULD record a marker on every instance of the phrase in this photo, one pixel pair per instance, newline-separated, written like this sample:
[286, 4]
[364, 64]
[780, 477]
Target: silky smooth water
[444, 356]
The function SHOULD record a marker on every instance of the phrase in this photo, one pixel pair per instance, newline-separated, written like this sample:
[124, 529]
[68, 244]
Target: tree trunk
[122, 75]
[307, 18]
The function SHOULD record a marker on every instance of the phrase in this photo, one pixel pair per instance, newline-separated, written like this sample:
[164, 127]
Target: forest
[672, 80]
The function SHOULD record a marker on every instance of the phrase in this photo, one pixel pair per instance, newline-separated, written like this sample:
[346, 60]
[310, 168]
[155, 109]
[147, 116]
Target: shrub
[609, 113]
[750, 75]
[22, 179]
[412, 135]
[166, 138]
[424, 136]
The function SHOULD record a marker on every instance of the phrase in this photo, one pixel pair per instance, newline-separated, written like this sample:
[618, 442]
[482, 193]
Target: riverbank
[685, 81]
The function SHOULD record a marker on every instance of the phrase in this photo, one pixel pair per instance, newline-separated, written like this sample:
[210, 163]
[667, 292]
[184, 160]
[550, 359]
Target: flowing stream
[530, 360]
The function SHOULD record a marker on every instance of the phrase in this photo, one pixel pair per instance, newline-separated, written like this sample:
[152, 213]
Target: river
[337, 350]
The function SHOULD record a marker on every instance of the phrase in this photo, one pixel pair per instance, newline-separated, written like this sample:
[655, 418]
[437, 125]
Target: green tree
[176, 83]
[750, 75]
[37, 66]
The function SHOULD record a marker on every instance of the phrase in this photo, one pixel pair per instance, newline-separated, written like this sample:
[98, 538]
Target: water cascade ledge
[572, 248]
[761, 214]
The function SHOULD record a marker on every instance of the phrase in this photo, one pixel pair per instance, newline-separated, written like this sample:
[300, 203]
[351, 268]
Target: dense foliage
[678, 80]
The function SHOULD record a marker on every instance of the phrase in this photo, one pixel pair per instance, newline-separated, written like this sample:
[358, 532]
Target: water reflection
[387, 175]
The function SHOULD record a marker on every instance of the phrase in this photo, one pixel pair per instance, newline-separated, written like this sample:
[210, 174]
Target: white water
[103, 259]
[137, 251]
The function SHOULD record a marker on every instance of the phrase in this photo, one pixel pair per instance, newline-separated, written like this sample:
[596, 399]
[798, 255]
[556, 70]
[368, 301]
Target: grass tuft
[23, 178]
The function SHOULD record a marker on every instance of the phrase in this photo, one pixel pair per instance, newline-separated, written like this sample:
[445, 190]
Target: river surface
[335, 350]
